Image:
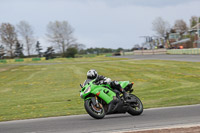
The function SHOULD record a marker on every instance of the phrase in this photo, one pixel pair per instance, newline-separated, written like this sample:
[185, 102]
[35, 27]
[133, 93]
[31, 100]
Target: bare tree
[193, 21]
[2, 52]
[160, 26]
[60, 33]
[8, 37]
[26, 32]
[180, 26]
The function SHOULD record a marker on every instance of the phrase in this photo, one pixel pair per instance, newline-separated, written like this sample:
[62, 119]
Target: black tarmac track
[151, 118]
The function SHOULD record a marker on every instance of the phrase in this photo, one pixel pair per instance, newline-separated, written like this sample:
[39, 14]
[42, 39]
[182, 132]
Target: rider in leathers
[92, 74]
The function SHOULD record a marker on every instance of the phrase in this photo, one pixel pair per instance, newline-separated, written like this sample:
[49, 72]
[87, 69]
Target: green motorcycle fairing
[103, 91]
[124, 83]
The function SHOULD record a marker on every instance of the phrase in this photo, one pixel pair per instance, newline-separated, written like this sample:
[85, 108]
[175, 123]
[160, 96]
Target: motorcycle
[100, 99]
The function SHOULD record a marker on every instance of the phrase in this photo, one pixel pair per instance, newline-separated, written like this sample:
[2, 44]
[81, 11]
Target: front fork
[95, 101]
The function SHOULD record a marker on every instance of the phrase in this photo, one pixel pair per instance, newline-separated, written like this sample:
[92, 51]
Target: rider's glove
[107, 80]
[101, 77]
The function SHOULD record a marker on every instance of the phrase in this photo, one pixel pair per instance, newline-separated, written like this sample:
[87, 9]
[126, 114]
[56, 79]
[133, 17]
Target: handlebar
[81, 86]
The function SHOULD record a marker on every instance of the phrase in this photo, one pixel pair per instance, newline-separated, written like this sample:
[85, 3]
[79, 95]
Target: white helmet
[92, 74]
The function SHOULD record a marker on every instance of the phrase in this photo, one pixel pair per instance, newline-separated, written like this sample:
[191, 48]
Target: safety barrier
[150, 52]
[3, 61]
[36, 59]
[184, 51]
[19, 60]
[128, 53]
[165, 51]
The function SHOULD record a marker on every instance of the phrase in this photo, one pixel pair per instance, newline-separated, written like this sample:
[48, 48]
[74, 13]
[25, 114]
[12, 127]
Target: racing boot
[125, 95]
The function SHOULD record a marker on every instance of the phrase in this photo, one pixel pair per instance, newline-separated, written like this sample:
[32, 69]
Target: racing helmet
[92, 74]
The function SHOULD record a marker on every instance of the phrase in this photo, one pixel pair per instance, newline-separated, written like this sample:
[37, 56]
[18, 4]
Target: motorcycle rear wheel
[93, 111]
[135, 108]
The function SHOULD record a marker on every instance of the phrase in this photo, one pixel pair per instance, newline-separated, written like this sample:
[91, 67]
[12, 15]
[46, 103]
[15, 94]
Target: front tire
[135, 108]
[93, 111]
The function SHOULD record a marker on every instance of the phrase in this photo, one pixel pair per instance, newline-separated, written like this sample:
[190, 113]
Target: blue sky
[99, 23]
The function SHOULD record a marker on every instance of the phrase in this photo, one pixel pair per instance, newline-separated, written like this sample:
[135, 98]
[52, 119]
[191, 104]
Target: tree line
[19, 40]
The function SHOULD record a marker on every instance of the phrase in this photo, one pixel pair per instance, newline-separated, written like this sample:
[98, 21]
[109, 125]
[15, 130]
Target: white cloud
[99, 23]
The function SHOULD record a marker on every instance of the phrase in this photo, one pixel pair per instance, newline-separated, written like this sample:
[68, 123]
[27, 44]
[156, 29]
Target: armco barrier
[3, 61]
[169, 51]
[108, 55]
[128, 53]
[184, 51]
[19, 60]
[36, 59]
[150, 52]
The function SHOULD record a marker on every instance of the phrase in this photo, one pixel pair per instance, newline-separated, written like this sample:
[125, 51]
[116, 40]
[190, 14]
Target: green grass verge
[60, 60]
[32, 91]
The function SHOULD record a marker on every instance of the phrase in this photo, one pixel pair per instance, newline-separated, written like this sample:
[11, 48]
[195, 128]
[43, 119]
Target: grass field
[32, 91]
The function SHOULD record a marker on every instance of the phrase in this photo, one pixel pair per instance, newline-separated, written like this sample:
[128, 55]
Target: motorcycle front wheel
[135, 108]
[94, 111]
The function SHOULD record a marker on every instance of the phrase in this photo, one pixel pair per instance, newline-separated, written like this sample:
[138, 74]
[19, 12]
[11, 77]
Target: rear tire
[89, 107]
[135, 108]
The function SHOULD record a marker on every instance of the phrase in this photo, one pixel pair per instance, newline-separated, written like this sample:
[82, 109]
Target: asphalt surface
[151, 118]
[191, 58]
